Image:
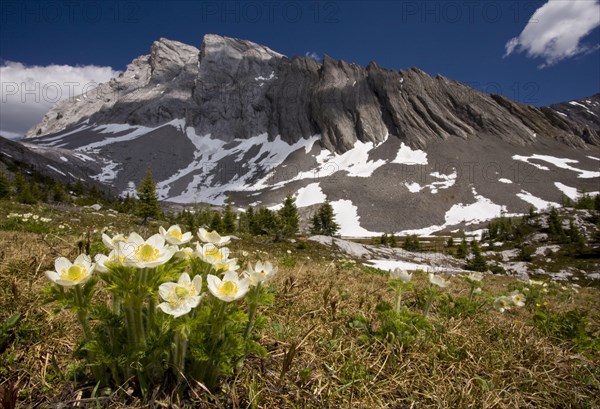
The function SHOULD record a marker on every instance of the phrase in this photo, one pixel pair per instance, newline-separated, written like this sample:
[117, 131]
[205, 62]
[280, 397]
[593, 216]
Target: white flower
[212, 237]
[437, 280]
[218, 257]
[185, 253]
[45, 219]
[502, 303]
[145, 254]
[180, 297]
[289, 251]
[230, 288]
[517, 298]
[477, 291]
[401, 275]
[261, 272]
[103, 261]
[35, 217]
[111, 243]
[70, 274]
[474, 276]
[538, 283]
[174, 235]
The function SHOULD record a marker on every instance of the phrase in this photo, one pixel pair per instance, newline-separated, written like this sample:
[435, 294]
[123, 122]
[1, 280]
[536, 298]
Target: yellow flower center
[176, 233]
[182, 292]
[74, 273]
[228, 288]
[145, 252]
[213, 252]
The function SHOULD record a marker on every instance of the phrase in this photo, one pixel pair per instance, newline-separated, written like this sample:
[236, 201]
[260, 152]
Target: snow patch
[504, 180]
[64, 159]
[408, 156]
[539, 204]
[56, 170]
[562, 163]
[346, 215]
[413, 187]
[310, 195]
[393, 264]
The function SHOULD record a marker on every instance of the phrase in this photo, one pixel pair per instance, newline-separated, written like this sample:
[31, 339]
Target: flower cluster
[29, 217]
[165, 272]
[505, 303]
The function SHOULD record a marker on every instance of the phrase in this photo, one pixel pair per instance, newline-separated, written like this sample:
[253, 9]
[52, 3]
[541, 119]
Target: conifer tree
[252, 228]
[463, 249]
[216, 223]
[323, 222]
[478, 261]
[288, 215]
[242, 226]
[4, 186]
[229, 218]
[147, 198]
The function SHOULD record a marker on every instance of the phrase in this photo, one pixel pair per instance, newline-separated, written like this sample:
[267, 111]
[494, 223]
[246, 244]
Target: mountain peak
[235, 48]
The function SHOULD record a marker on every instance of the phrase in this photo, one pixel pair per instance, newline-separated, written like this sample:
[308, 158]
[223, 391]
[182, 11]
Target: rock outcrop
[236, 89]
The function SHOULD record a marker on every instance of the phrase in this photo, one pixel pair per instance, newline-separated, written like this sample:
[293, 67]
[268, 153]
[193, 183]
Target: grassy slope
[485, 359]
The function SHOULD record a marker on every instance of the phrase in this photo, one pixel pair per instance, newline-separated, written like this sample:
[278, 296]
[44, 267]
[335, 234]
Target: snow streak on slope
[562, 163]
[539, 204]
[346, 215]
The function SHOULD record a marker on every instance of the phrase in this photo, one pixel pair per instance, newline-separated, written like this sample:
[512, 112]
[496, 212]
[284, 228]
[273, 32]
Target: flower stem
[429, 301]
[253, 305]
[398, 299]
[82, 315]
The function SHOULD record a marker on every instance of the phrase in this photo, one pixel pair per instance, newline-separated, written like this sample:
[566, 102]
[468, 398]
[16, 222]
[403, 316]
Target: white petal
[162, 231]
[156, 241]
[61, 264]
[52, 276]
[165, 289]
[197, 283]
[184, 278]
[213, 284]
[135, 239]
[231, 276]
[107, 241]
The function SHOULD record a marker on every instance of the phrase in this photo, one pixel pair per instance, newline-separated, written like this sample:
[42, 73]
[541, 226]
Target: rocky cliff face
[394, 151]
[236, 89]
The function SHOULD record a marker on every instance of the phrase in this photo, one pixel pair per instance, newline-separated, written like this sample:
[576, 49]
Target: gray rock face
[236, 89]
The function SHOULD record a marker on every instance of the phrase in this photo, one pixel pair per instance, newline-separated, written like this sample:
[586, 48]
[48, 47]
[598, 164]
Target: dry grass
[316, 360]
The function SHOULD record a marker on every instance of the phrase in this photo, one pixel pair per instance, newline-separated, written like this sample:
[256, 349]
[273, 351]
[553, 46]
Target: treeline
[32, 187]
[280, 224]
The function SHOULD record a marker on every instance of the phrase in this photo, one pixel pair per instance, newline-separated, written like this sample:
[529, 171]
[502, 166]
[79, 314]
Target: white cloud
[28, 92]
[556, 29]
[314, 55]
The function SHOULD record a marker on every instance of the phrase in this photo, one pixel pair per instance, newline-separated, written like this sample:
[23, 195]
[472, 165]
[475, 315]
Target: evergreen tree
[288, 215]
[478, 261]
[266, 221]
[4, 186]
[324, 221]
[229, 218]
[411, 243]
[58, 192]
[383, 240]
[252, 228]
[392, 240]
[462, 250]
[147, 198]
[242, 226]
[578, 244]
[450, 242]
[555, 226]
[25, 195]
[78, 189]
[19, 183]
[216, 222]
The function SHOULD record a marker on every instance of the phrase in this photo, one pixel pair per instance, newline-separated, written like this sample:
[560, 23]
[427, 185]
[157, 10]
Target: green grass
[327, 334]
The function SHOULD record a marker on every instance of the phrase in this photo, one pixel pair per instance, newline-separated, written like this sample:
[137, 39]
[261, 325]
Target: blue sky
[463, 40]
